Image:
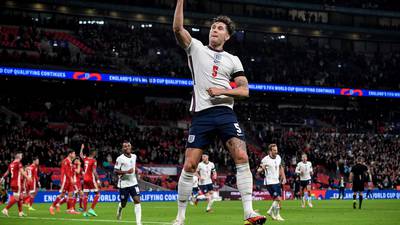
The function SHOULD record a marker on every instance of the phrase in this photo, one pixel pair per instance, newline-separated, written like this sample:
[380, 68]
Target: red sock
[11, 202]
[95, 200]
[56, 202]
[81, 202]
[70, 203]
[27, 199]
[20, 202]
[64, 200]
[85, 200]
[31, 201]
[74, 203]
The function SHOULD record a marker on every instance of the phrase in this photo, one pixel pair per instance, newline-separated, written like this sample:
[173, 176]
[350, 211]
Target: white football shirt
[205, 171]
[211, 68]
[195, 182]
[272, 167]
[124, 163]
[305, 170]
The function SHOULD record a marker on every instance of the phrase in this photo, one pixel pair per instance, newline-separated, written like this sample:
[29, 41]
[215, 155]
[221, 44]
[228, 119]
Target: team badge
[191, 138]
[217, 58]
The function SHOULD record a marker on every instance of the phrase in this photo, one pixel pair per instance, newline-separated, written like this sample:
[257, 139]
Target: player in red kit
[91, 182]
[32, 186]
[17, 174]
[78, 171]
[67, 184]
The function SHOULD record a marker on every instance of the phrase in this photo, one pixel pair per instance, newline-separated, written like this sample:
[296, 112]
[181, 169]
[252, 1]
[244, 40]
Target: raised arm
[181, 34]
[81, 152]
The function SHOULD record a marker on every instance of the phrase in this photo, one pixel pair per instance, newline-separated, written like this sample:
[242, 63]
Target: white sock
[138, 213]
[184, 190]
[278, 209]
[119, 210]
[244, 180]
[308, 198]
[210, 202]
[274, 207]
[305, 196]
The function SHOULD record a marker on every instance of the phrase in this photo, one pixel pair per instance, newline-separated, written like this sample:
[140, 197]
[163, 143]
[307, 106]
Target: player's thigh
[275, 191]
[205, 188]
[202, 130]
[134, 192]
[124, 195]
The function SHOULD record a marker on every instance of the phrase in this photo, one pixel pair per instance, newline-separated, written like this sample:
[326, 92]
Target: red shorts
[90, 186]
[66, 186]
[31, 187]
[16, 189]
[78, 187]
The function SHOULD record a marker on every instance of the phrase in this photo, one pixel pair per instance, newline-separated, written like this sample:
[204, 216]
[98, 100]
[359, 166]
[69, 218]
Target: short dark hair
[230, 25]
[92, 151]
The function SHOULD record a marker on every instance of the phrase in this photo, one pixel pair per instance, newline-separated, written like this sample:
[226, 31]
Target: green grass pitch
[374, 212]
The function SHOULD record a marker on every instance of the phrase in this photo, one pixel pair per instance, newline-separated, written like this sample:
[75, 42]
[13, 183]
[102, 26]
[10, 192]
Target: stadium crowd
[48, 126]
[141, 49]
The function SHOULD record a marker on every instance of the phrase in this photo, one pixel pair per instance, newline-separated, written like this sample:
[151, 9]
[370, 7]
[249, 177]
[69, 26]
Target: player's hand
[284, 181]
[82, 146]
[215, 91]
[1, 180]
[130, 171]
[39, 185]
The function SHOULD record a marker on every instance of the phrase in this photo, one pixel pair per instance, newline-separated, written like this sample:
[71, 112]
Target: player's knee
[136, 201]
[190, 166]
[241, 157]
[123, 203]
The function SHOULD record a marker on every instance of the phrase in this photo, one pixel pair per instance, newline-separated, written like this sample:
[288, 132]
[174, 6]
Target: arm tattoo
[242, 82]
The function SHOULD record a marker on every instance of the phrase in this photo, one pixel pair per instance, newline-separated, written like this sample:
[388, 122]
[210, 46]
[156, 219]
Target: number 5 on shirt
[215, 71]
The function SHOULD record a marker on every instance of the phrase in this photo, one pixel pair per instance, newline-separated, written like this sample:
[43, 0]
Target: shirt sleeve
[298, 168]
[238, 68]
[213, 168]
[118, 164]
[264, 162]
[193, 46]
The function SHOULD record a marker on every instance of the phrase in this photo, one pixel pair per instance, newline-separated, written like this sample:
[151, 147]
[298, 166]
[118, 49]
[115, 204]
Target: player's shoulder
[265, 158]
[121, 157]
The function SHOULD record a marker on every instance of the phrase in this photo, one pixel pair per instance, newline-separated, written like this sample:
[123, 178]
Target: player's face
[72, 155]
[218, 34]
[304, 158]
[77, 162]
[205, 158]
[274, 151]
[36, 162]
[18, 156]
[127, 148]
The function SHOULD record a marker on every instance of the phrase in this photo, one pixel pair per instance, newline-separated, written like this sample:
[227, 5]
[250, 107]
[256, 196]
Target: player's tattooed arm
[241, 91]
[181, 34]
